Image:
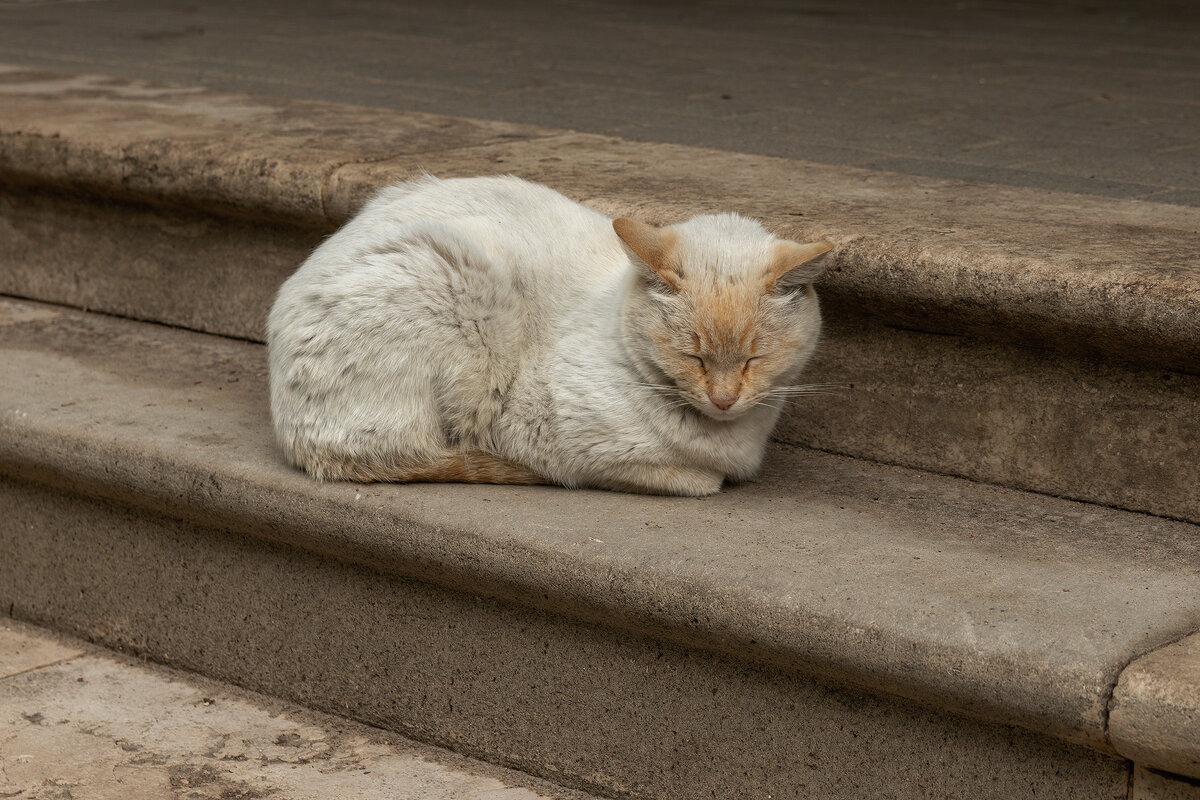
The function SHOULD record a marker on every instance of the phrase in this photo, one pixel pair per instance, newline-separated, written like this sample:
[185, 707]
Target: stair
[975, 572]
[1039, 340]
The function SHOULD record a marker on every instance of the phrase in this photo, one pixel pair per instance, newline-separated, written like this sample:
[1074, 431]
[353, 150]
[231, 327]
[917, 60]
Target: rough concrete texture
[208, 149]
[1151, 785]
[1024, 265]
[95, 725]
[1013, 607]
[1100, 431]
[22, 650]
[174, 266]
[1155, 713]
[1096, 97]
[580, 704]
[1103, 432]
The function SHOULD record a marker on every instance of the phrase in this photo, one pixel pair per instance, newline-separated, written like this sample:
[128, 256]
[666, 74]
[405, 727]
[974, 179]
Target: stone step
[837, 629]
[81, 722]
[1033, 339]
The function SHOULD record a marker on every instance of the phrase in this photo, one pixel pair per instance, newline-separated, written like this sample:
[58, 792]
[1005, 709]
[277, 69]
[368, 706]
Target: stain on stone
[52, 790]
[148, 759]
[207, 438]
[184, 776]
[161, 36]
[206, 781]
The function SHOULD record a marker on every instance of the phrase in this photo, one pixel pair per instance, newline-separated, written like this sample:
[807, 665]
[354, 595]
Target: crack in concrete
[1111, 690]
[41, 666]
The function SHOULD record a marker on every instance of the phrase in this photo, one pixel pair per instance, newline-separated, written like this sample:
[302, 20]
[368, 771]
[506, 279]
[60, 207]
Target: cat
[491, 330]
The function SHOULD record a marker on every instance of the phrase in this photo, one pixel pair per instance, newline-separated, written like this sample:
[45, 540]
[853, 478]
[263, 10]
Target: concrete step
[80, 722]
[837, 629]
[1032, 339]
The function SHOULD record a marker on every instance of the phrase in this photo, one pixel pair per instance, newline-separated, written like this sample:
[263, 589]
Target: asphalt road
[1095, 97]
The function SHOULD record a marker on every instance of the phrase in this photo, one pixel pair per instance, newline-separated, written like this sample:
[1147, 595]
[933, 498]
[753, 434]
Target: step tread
[1006, 605]
[98, 724]
[1112, 276]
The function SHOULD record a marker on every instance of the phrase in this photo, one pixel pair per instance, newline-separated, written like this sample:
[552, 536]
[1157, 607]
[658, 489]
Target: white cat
[491, 330]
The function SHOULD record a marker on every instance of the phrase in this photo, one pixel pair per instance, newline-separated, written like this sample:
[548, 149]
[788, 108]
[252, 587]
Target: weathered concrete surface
[1151, 785]
[1096, 97]
[1101, 431]
[267, 157]
[176, 266]
[1013, 607]
[581, 704]
[97, 725]
[22, 651]
[1155, 715]
[1053, 269]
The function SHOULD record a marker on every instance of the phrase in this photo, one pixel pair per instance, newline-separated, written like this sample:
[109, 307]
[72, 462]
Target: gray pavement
[1096, 98]
[80, 722]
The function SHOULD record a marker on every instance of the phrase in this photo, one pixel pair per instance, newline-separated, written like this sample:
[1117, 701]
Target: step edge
[1147, 722]
[40, 459]
[1152, 321]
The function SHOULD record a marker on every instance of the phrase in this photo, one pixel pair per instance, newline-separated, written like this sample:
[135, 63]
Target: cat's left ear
[789, 256]
[654, 246]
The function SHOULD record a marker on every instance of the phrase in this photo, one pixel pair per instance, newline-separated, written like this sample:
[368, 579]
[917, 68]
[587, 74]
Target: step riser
[1076, 427]
[577, 703]
[209, 273]
[1102, 432]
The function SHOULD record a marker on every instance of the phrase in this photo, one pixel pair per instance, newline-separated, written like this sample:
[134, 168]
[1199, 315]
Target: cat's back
[498, 197]
[508, 218]
[422, 312]
[521, 244]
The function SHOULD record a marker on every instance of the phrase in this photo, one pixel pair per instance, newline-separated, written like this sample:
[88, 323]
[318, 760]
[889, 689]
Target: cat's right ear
[654, 246]
[788, 257]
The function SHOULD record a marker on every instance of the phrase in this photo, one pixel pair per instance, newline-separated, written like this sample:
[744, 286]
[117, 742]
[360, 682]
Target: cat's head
[722, 309]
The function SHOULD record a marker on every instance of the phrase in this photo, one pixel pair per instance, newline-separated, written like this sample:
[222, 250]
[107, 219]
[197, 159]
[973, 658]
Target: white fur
[492, 314]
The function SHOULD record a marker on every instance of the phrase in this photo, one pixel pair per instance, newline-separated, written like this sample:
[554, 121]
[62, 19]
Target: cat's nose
[724, 400]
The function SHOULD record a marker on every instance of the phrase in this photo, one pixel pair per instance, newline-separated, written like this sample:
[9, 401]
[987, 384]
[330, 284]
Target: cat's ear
[654, 246]
[788, 257]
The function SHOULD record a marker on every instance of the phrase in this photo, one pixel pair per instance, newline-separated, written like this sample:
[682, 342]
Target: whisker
[661, 390]
[657, 386]
[817, 386]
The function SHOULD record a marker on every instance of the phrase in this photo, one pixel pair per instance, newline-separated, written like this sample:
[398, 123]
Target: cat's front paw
[658, 479]
[697, 483]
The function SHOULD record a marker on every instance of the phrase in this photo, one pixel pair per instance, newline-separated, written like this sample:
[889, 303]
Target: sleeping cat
[490, 330]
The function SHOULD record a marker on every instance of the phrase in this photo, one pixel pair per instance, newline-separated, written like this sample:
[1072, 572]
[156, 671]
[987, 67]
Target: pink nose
[724, 401]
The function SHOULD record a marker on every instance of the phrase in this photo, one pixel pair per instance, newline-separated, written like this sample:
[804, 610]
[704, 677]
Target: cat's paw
[697, 483]
[657, 479]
